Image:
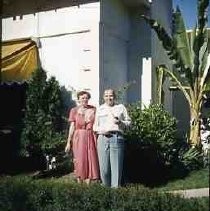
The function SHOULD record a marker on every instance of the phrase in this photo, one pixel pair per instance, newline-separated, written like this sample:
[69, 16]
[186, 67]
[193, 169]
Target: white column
[146, 82]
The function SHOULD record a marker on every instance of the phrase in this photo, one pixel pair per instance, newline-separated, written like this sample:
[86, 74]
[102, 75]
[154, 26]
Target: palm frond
[182, 44]
[201, 35]
[181, 39]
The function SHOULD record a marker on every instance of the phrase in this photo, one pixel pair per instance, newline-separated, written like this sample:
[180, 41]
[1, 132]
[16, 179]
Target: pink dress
[84, 143]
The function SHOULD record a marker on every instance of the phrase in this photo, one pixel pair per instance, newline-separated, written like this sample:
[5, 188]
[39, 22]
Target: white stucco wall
[101, 45]
[67, 57]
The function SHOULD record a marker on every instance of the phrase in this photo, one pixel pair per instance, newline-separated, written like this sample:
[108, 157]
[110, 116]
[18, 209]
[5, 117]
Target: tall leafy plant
[189, 54]
[42, 121]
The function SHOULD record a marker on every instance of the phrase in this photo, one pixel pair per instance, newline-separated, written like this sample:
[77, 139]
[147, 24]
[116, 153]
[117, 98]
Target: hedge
[24, 194]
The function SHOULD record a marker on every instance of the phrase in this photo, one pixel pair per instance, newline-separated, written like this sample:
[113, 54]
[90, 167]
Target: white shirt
[105, 117]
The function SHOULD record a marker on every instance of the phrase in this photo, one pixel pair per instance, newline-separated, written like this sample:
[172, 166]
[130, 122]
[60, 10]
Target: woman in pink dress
[82, 139]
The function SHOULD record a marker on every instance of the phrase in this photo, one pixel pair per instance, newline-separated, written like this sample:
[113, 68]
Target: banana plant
[189, 54]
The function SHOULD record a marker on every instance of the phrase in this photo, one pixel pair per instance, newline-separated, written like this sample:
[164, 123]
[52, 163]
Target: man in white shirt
[110, 122]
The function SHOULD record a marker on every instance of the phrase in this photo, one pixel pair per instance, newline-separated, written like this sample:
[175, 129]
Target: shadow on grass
[144, 167]
[36, 167]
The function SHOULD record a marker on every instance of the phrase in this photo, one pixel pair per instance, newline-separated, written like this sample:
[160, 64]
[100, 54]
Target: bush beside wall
[154, 154]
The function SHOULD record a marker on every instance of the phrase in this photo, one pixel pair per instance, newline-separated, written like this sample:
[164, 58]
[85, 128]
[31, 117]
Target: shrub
[154, 153]
[43, 131]
[190, 157]
[25, 194]
[151, 145]
[153, 127]
[43, 115]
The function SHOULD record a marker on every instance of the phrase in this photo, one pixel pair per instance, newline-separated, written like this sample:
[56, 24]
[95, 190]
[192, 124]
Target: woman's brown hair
[83, 93]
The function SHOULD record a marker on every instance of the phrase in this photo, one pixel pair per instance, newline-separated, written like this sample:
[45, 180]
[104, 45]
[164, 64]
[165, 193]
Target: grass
[196, 179]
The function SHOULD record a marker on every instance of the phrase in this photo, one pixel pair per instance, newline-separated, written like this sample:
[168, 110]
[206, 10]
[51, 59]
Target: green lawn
[196, 179]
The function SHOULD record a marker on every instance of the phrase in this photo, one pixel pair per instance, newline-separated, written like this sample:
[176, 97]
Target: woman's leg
[79, 180]
[87, 181]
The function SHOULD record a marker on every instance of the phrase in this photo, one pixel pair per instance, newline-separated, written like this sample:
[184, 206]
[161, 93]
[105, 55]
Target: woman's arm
[70, 136]
[95, 124]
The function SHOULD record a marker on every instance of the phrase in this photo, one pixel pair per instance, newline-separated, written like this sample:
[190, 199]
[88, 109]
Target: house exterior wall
[146, 53]
[126, 49]
[139, 58]
[125, 42]
[97, 45]
[161, 10]
[114, 36]
[182, 115]
[69, 44]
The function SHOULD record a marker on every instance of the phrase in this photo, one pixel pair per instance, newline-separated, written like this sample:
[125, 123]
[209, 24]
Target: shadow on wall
[11, 112]
[68, 103]
[13, 99]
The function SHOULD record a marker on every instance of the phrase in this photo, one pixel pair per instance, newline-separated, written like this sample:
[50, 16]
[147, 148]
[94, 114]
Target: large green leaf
[201, 37]
[204, 54]
[181, 39]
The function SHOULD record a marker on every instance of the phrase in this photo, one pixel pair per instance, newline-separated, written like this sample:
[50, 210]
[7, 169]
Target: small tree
[43, 115]
[189, 55]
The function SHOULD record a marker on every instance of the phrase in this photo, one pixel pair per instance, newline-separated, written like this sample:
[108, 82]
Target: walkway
[193, 193]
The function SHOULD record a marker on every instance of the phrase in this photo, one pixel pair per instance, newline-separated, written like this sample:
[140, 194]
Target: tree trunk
[194, 139]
